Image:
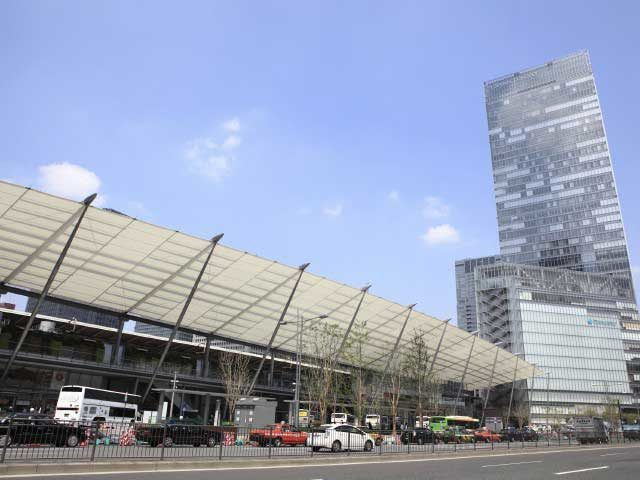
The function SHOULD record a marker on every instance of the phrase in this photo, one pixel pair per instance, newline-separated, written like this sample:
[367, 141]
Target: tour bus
[373, 420]
[86, 404]
[341, 417]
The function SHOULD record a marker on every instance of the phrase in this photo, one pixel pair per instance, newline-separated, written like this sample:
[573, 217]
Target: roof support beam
[391, 357]
[38, 251]
[267, 350]
[87, 201]
[513, 386]
[348, 331]
[437, 352]
[214, 242]
[174, 275]
[115, 354]
[464, 374]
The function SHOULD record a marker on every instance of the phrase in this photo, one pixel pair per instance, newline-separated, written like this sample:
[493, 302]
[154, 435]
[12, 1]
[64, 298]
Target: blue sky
[348, 134]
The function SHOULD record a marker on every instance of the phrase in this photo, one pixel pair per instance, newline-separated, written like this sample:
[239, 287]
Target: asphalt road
[619, 463]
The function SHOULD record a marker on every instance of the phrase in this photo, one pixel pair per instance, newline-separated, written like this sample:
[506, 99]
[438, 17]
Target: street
[620, 463]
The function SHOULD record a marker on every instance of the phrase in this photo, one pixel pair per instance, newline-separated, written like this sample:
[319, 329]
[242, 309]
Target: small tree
[393, 384]
[235, 374]
[521, 413]
[319, 377]
[354, 355]
[416, 366]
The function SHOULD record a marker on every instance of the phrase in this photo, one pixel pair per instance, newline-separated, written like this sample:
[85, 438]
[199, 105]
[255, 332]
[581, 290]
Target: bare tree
[355, 356]
[235, 374]
[394, 383]
[416, 366]
[521, 413]
[319, 378]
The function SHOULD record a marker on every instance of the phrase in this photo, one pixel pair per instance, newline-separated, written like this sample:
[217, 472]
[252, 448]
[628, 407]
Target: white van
[372, 419]
[341, 417]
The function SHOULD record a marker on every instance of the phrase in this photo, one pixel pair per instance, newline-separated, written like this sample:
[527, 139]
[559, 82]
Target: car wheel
[315, 449]
[72, 441]
[368, 446]
[487, 440]
[378, 442]
[336, 446]
[211, 442]
[420, 440]
[168, 442]
[277, 442]
[5, 440]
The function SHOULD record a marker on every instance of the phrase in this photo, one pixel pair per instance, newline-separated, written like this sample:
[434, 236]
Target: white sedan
[337, 437]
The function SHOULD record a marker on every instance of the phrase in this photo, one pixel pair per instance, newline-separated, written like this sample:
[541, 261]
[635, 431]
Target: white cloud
[209, 158]
[443, 234]
[231, 142]
[435, 208]
[70, 181]
[333, 211]
[393, 196]
[231, 125]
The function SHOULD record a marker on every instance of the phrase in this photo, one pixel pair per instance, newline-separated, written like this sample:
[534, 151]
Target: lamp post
[296, 397]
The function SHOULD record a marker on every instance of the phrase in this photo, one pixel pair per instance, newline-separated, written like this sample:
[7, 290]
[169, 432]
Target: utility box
[255, 412]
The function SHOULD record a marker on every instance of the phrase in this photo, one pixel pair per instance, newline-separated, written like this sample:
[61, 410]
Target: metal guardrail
[24, 440]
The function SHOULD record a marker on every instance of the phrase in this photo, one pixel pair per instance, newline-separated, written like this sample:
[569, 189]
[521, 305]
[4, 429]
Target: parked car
[512, 434]
[631, 431]
[374, 435]
[178, 433]
[417, 435]
[23, 428]
[456, 435]
[337, 437]
[487, 436]
[277, 435]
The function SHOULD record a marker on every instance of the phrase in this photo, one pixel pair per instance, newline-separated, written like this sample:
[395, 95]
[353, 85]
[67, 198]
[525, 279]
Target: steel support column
[392, 355]
[513, 385]
[464, 375]
[486, 398]
[214, 242]
[207, 358]
[267, 351]
[86, 202]
[364, 291]
[115, 358]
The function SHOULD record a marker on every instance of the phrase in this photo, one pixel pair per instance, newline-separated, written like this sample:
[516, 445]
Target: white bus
[87, 404]
[341, 417]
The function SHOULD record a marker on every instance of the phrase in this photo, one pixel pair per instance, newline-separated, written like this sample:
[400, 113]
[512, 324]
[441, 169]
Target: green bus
[439, 424]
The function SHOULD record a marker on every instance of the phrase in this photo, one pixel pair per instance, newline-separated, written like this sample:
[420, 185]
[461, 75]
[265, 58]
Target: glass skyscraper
[555, 190]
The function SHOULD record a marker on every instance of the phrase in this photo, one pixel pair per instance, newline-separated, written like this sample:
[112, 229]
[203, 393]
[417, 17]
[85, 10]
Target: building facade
[164, 332]
[61, 310]
[556, 196]
[466, 292]
[581, 329]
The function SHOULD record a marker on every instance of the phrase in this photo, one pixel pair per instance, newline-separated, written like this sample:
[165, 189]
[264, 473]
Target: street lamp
[296, 398]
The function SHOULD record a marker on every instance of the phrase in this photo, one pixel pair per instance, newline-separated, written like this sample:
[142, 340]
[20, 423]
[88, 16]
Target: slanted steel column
[207, 359]
[464, 375]
[267, 351]
[435, 354]
[486, 398]
[393, 354]
[513, 384]
[86, 202]
[114, 355]
[364, 291]
[214, 242]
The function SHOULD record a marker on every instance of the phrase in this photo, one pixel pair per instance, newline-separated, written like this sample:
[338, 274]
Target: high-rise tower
[556, 195]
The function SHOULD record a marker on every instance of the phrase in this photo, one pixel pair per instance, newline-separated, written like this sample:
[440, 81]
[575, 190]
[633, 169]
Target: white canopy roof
[126, 265]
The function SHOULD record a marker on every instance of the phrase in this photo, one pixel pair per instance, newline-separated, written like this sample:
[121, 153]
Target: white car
[337, 437]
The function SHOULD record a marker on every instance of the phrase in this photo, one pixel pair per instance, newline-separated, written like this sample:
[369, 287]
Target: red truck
[277, 435]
